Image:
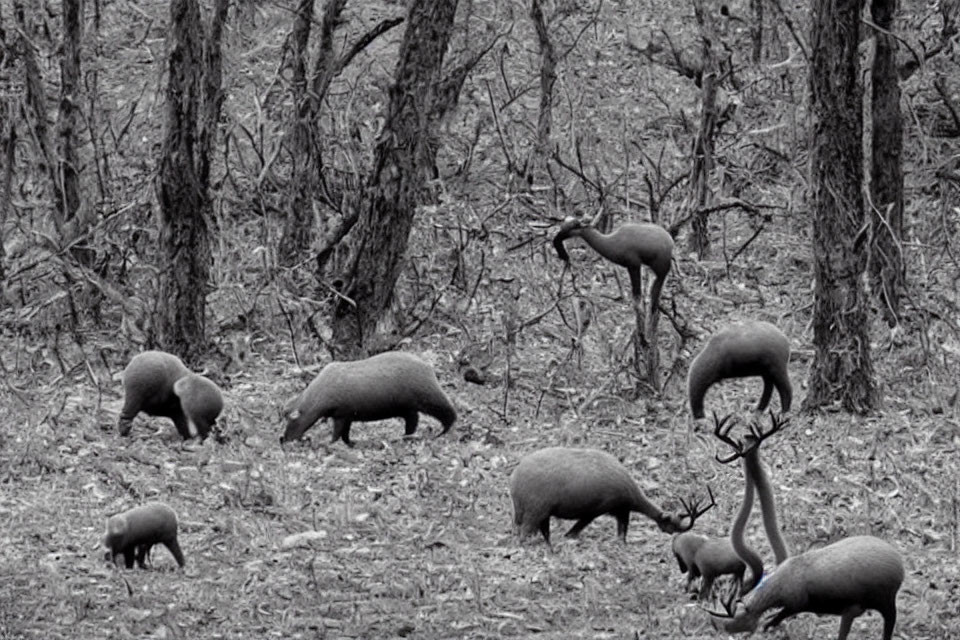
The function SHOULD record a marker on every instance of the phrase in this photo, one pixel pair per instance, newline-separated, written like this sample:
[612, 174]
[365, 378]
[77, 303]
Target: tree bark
[548, 77]
[298, 225]
[192, 110]
[68, 118]
[886, 217]
[756, 30]
[842, 371]
[404, 160]
[703, 143]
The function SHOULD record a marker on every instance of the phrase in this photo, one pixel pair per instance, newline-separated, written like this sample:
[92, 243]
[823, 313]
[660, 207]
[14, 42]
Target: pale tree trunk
[842, 372]
[404, 160]
[193, 103]
[886, 217]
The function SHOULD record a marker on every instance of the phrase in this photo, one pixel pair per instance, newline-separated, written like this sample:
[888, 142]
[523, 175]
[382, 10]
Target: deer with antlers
[581, 485]
[845, 578]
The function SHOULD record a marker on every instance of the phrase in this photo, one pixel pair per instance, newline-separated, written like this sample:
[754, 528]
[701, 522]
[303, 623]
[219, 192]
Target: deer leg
[784, 613]
[545, 529]
[411, 423]
[767, 392]
[341, 431]
[578, 527]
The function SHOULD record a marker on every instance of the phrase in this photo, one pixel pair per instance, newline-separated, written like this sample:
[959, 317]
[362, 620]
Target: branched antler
[693, 510]
[751, 441]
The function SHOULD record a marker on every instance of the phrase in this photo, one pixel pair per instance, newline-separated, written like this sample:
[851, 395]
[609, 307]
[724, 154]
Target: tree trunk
[756, 30]
[35, 103]
[298, 225]
[703, 143]
[841, 371]
[192, 110]
[68, 119]
[886, 217]
[548, 77]
[404, 160]
[8, 141]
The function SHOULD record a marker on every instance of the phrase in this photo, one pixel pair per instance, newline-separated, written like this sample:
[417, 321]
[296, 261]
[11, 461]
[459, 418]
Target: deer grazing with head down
[845, 578]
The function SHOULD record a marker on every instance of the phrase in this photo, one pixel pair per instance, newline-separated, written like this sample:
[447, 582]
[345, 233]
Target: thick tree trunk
[404, 160]
[886, 218]
[192, 110]
[842, 371]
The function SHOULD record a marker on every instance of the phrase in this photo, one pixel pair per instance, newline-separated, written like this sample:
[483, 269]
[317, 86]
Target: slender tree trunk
[192, 109]
[756, 30]
[548, 77]
[8, 140]
[298, 226]
[69, 117]
[842, 371]
[703, 144]
[404, 161]
[886, 218]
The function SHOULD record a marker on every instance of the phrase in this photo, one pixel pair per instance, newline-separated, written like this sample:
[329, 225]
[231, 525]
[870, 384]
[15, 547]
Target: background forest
[694, 115]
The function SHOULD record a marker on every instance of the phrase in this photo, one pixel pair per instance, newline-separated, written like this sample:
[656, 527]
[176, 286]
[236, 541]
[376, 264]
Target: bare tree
[842, 370]
[404, 159]
[886, 211]
[193, 103]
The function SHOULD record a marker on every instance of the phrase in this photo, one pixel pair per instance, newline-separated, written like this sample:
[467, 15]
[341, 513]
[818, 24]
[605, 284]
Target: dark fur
[133, 533]
[745, 349]
[150, 385]
[578, 484]
[700, 556]
[388, 385]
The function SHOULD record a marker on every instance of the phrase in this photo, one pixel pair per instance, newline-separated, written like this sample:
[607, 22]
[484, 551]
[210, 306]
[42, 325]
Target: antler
[693, 510]
[728, 601]
[721, 429]
[752, 440]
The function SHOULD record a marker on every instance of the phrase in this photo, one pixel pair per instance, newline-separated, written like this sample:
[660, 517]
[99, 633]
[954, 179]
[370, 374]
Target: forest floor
[414, 536]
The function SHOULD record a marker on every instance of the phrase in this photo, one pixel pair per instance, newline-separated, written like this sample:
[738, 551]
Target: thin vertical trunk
[404, 160]
[756, 30]
[298, 227]
[703, 144]
[703, 165]
[842, 371]
[548, 77]
[68, 117]
[886, 217]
